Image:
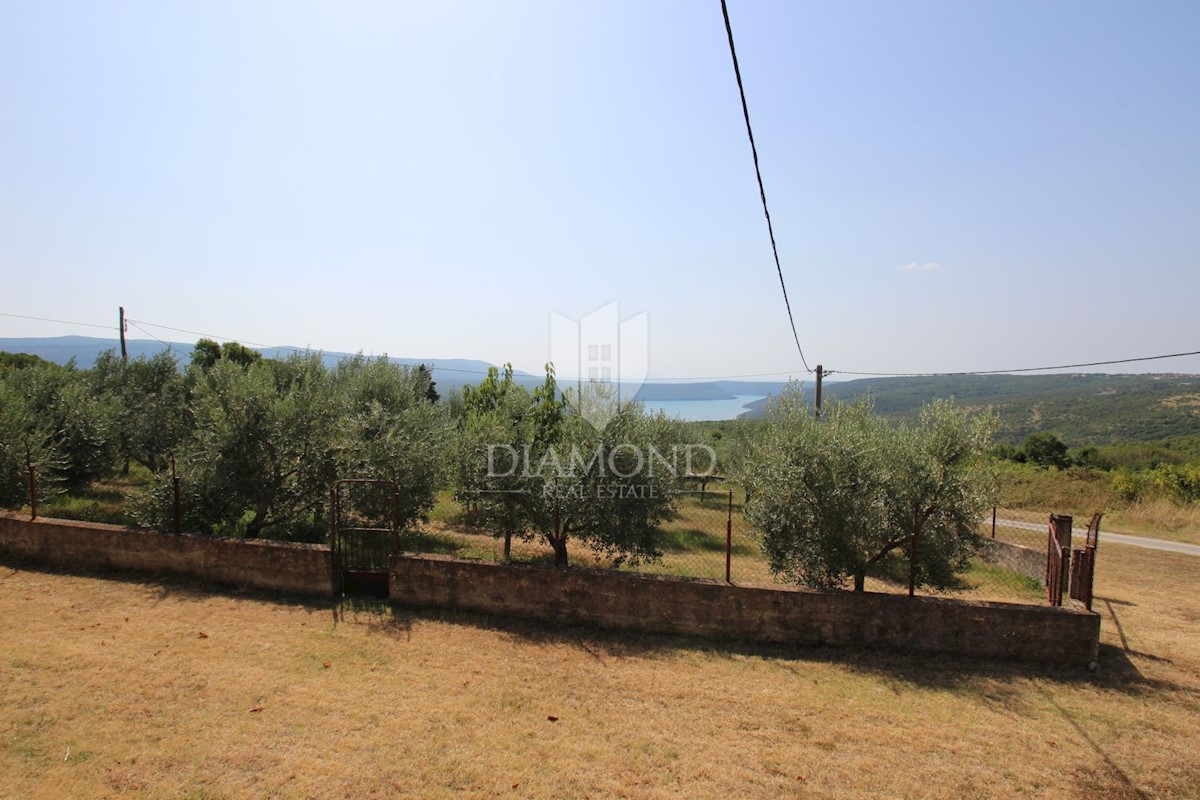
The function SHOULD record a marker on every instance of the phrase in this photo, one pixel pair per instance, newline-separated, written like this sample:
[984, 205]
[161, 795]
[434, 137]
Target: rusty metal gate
[363, 533]
[1058, 558]
[1083, 564]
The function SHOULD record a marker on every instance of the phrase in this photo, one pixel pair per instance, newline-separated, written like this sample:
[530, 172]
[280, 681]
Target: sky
[954, 186]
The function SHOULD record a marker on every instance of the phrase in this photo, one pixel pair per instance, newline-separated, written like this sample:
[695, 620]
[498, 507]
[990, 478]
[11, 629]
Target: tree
[24, 440]
[207, 353]
[271, 437]
[535, 467]
[425, 374]
[1045, 450]
[498, 422]
[152, 400]
[615, 494]
[261, 454]
[67, 419]
[389, 429]
[938, 487]
[841, 496]
[13, 361]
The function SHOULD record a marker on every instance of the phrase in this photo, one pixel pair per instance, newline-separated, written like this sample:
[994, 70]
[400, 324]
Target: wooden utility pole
[820, 375]
[124, 352]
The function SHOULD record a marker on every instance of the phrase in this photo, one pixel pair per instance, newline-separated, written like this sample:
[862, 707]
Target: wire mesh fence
[709, 537]
[1021, 527]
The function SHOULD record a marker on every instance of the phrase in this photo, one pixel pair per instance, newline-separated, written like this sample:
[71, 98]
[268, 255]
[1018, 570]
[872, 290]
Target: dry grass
[1081, 492]
[111, 691]
[694, 545]
[1159, 519]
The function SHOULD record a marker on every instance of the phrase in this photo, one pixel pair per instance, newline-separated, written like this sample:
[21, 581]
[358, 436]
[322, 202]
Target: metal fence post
[912, 566]
[1058, 557]
[175, 492]
[993, 522]
[32, 491]
[729, 537]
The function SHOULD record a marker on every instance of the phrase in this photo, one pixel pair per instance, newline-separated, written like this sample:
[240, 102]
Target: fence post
[32, 492]
[1058, 558]
[175, 492]
[993, 522]
[729, 537]
[912, 566]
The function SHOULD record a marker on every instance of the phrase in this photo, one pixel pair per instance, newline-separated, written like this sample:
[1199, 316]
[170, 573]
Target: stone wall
[1014, 558]
[754, 613]
[281, 566]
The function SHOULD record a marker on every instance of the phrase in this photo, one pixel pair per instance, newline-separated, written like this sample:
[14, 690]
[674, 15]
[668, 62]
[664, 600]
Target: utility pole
[820, 375]
[124, 352]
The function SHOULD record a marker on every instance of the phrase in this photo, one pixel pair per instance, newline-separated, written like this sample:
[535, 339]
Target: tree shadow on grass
[691, 540]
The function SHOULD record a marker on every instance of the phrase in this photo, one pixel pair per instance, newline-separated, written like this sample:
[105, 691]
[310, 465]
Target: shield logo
[600, 349]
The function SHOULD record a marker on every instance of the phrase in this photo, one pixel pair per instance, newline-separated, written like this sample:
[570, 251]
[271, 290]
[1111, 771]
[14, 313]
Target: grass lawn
[120, 687]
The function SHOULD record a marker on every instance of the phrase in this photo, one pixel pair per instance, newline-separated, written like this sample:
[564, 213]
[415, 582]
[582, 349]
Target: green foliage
[838, 497]
[614, 496]
[153, 400]
[1045, 450]
[23, 440]
[530, 464]
[1090, 409]
[207, 353]
[497, 423]
[13, 361]
[389, 429]
[261, 452]
[73, 427]
[271, 437]
[1179, 483]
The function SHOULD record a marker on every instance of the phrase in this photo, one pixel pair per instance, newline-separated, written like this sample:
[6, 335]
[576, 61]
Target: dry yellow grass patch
[110, 690]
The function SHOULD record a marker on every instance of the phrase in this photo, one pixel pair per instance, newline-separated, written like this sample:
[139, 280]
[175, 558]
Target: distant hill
[449, 373]
[85, 349]
[1081, 409]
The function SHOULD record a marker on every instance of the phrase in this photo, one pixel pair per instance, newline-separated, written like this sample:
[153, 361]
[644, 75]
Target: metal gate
[363, 533]
[1083, 565]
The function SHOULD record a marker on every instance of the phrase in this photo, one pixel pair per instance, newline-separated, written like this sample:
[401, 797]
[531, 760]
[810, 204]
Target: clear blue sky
[433, 179]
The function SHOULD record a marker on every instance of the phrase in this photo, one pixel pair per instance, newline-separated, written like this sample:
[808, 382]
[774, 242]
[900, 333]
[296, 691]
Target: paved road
[1115, 538]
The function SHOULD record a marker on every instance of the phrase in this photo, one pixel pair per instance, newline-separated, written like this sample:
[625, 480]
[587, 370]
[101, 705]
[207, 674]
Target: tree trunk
[860, 579]
[255, 525]
[508, 545]
[560, 551]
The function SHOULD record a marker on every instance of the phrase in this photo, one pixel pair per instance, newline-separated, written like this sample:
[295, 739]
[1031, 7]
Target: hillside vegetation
[1082, 409]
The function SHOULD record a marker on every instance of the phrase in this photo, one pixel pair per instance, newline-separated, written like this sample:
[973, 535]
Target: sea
[701, 410]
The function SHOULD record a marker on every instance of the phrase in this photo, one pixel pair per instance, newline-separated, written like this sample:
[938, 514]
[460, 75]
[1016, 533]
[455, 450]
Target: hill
[85, 349]
[1081, 409]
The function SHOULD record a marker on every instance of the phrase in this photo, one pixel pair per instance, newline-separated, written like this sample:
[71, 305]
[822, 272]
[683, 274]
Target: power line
[1020, 369]
[168, 345]
[762, 192]
[139, 323]
[60, 321]
[213, 336]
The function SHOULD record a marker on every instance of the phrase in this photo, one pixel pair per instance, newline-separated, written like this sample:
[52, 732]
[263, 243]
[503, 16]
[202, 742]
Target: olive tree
[270, 437]
[609, 486]
[535, 467]
[62, 416]
[261, 453]
[837, 497]
[389, 427]
[500, 421]
[152, 399]
[24, 441]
